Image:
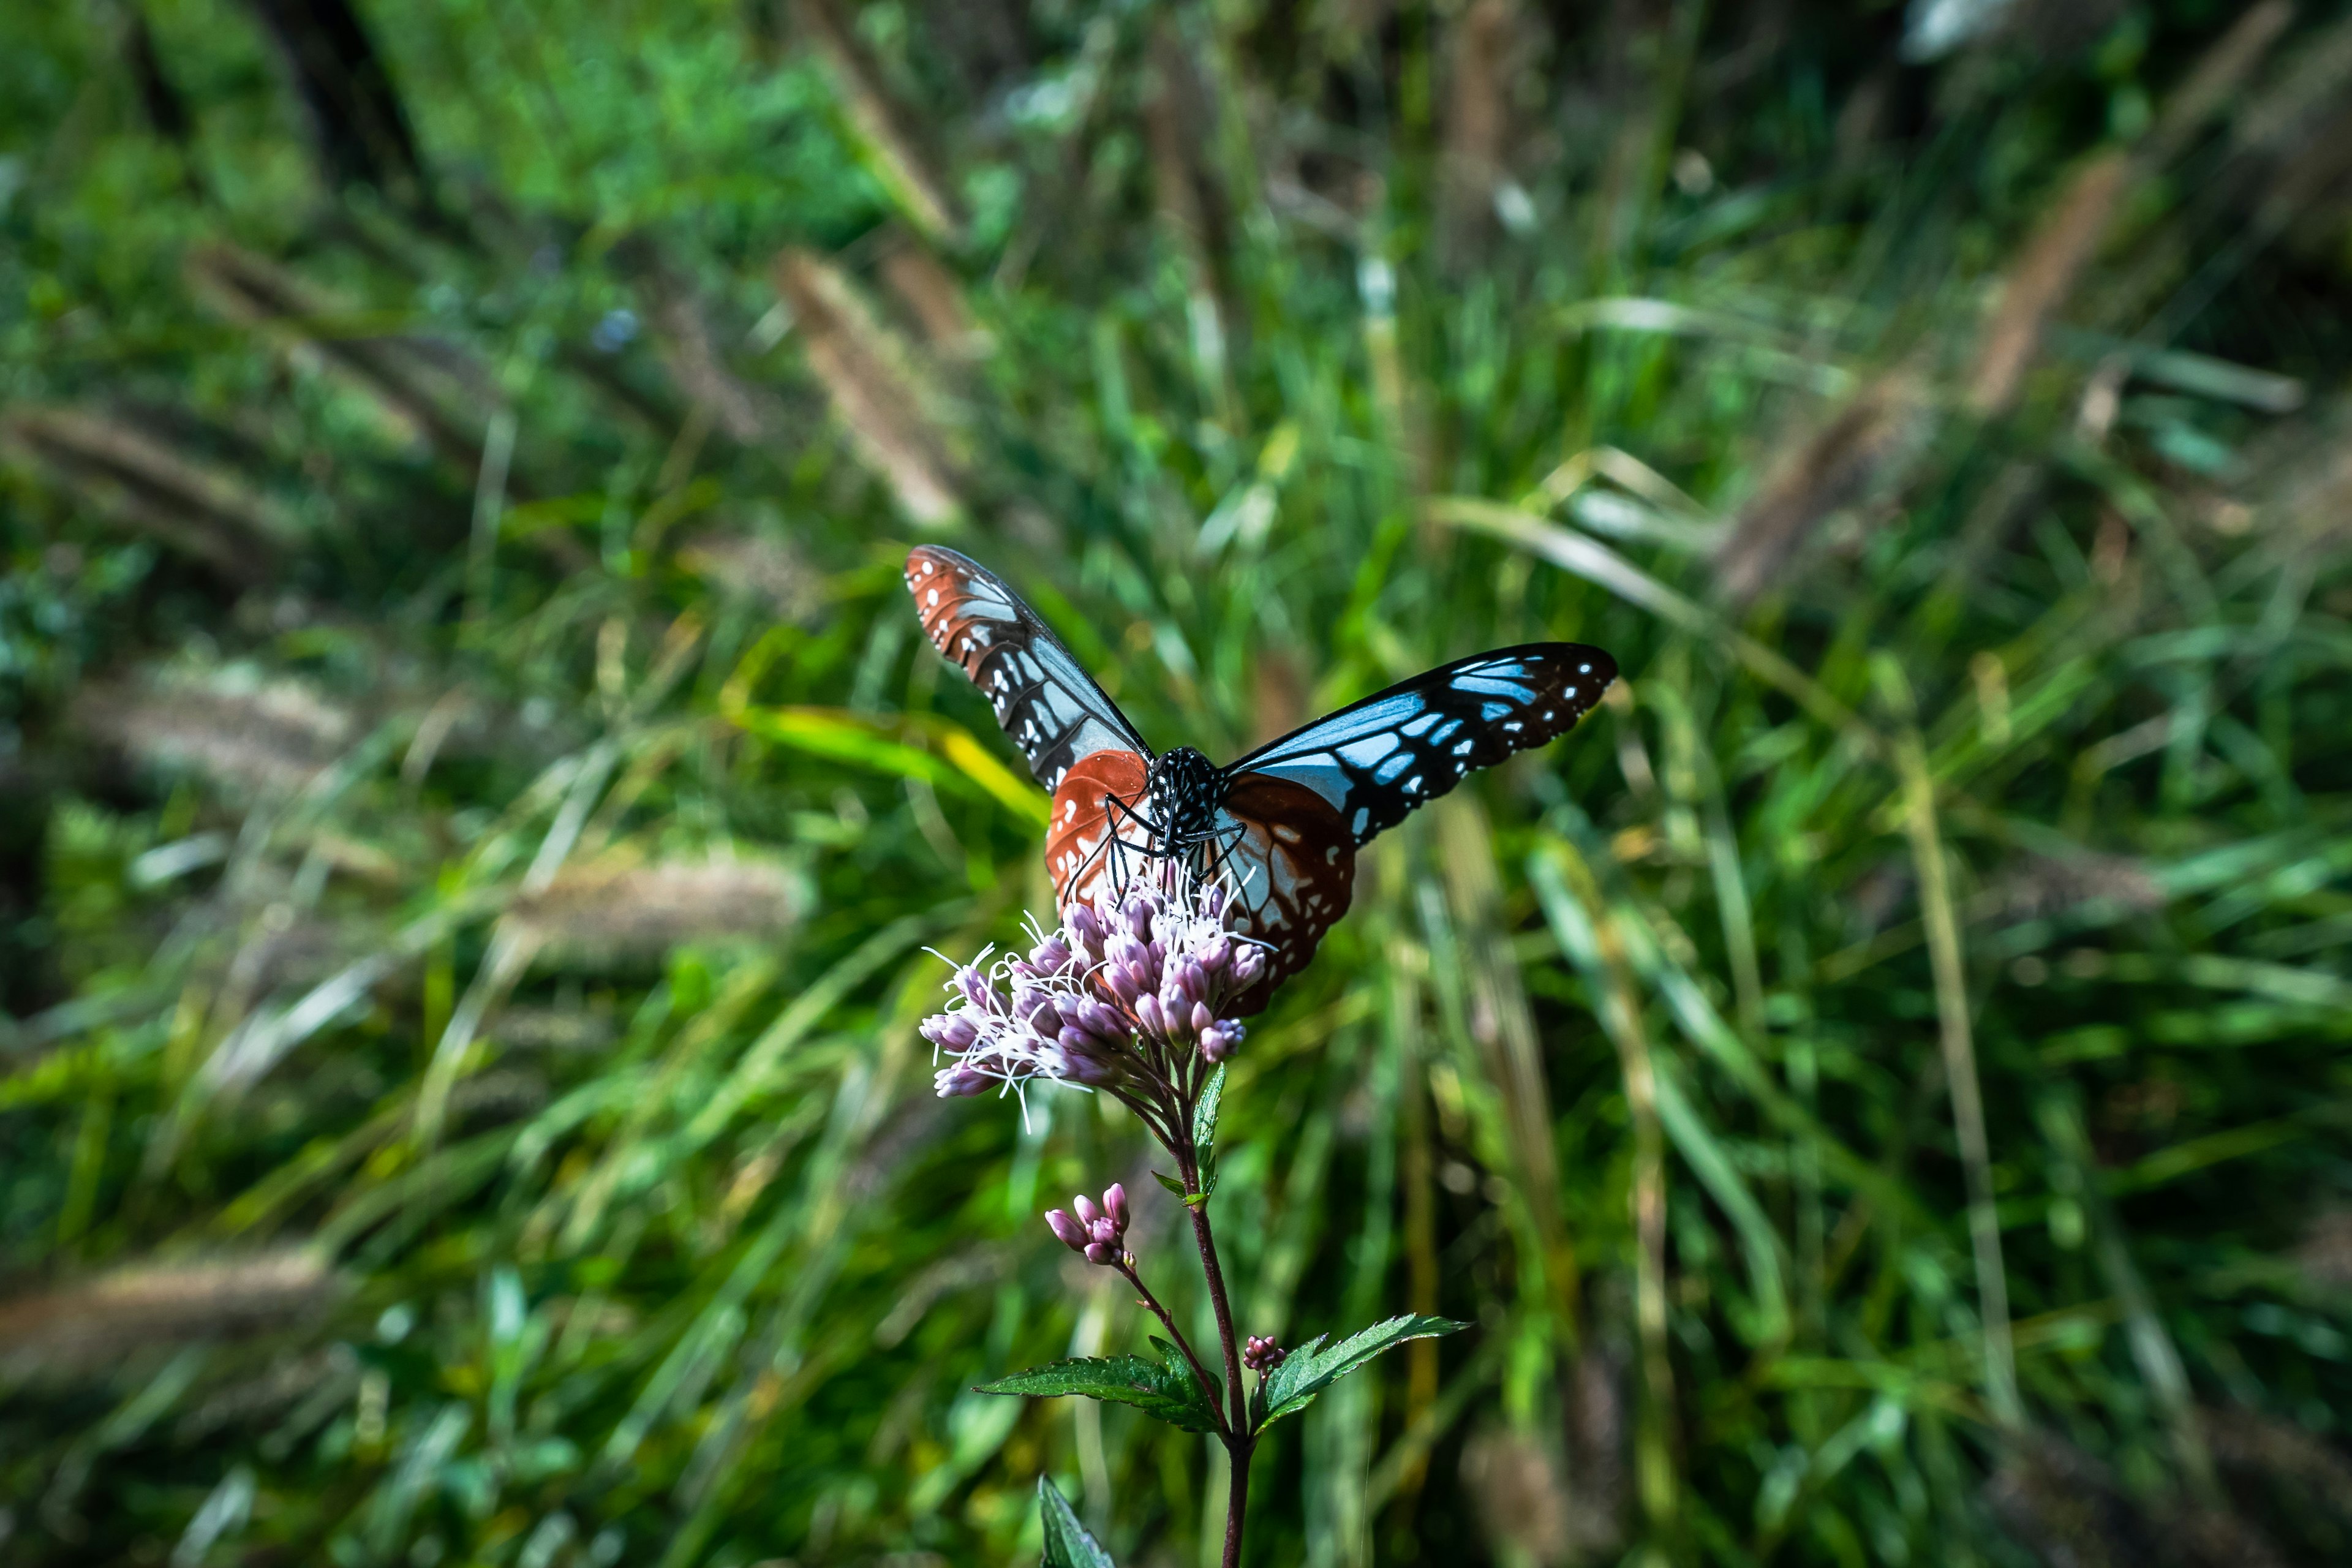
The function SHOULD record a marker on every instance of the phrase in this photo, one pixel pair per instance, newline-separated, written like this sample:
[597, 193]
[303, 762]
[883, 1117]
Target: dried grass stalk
[771, 572]
[934, 298]
[1520, 1491]
[689, 350]
[2326, 1252]
[891, 147]
[144, 1305]
[2069, 236]
[272, 736]
[428, 391]
[1175, 124]
[142, 480]
[2215, 82]
[1841, 464]
[895, 418]
[1477, 120]
[645, 909]
[2047, 886]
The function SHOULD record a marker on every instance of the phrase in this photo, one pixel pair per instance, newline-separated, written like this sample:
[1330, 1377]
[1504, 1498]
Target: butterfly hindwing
[1373, 762]
[1047, 702]
[1094, 805]
[1291, 866]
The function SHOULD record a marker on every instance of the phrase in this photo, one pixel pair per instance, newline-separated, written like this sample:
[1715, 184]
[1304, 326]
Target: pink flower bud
[1139, 912]
[1141, 977]
[1216, 953]
[961, 1080]
[1102, 1022]
[1114, 1205]
[1105, 1232]
[1202, 1018]
[1214, 1046]
[1071, 1234]
[975, 988]
[951, 1032]
[1191, 979]
[1120, 979]
[1102, 1252]
[1147, 1014]
[1088, 1213]
[1249, 962]
[1050, 956]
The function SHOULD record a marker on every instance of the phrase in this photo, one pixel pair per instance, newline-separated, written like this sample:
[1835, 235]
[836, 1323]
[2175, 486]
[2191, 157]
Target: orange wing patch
[1077, 838]
[1294, 863]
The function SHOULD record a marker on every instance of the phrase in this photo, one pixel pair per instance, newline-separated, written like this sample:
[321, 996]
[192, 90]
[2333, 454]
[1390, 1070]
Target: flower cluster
[1262, 1355]
[1120, 995]
[1099, 1233]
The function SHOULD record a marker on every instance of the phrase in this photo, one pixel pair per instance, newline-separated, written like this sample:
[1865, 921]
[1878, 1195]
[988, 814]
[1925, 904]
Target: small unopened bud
[1262, 1355]
[1139, 912]
[1102, 1022]
[1147, 1014]
[1087, 928]
[1216, 953]
[1121, 981]
[1086, 1212]
[1069, 1232]
[1051, 957]
[951, 1032]
[1203, 1019]
[1102, 1252]
[1114, 1205]
[1249, 962]
[1191, 979]
[1215, 1045]
[975, 988]
[1046, 1018]
[961, 1080]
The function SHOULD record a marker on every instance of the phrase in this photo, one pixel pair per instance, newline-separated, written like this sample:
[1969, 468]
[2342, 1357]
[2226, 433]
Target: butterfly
[1284, 823]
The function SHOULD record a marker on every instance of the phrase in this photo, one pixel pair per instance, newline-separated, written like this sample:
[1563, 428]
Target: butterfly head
[1180, 794]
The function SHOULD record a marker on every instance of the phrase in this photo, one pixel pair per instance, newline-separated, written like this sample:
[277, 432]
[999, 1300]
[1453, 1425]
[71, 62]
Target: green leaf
[1067, 1544]
[1167, 1391]
[1208, 1178]
[1170, 1183]
[1311, 1368]
[1204, 1112]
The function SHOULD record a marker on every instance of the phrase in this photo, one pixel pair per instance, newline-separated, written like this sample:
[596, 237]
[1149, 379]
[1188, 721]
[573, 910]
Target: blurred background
[474, 798]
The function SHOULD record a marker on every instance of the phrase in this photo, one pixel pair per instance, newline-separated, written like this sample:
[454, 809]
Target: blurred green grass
[474, 801]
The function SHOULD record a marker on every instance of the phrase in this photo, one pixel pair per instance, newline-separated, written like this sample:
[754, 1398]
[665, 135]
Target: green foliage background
[473, 801]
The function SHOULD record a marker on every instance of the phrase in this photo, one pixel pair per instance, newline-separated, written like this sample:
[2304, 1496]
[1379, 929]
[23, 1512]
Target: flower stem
[1208, 1385]
[1239, 1441]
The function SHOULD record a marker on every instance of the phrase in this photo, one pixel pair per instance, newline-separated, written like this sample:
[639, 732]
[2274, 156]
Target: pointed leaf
[1170, 1183]
[1067, 1544]
[1311, 1368]
[1167, 1392]
[1204, 1113]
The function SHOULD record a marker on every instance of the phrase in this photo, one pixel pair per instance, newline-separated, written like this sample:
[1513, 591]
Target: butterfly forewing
[1374, 762]
[1049, 706]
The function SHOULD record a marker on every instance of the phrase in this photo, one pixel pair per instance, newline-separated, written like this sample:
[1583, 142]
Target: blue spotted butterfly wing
[1297, 810]
[1045, 701]
[1077, 743]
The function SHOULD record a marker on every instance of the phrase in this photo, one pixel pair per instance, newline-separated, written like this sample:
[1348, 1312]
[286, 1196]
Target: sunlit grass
[477, 799]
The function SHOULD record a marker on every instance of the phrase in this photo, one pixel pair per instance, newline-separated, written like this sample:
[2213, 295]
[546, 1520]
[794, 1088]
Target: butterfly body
[1281, 825]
